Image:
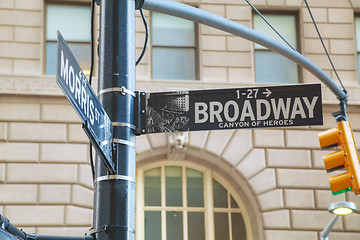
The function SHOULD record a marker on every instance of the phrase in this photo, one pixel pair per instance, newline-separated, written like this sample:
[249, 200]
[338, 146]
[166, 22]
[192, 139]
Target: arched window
[183, 202]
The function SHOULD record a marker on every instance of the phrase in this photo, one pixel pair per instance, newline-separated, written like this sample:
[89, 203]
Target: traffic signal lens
[335, 161]
[341, 191]
[329, 138]
[340, 183]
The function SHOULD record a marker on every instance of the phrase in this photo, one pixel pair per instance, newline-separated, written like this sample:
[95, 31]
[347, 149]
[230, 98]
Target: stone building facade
[275, 175]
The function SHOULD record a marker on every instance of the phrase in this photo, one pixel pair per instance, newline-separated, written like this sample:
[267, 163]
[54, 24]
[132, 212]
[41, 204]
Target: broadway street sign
[96, 123]
[255, 107]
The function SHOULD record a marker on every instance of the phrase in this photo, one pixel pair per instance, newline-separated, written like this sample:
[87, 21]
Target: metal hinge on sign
[140, 113]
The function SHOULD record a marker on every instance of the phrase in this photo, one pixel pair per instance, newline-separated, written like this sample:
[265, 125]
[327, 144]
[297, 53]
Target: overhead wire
[269, 24]
[323, 44]
[146, 37]
[317, 30]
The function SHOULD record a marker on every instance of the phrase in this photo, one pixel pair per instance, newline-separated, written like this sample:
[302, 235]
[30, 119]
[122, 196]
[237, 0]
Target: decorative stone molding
[46, 86]
[32, 85]
[29, 85]
[177, 145]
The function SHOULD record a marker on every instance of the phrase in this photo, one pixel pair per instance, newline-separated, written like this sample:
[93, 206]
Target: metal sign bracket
[140, 113]
[341, 115]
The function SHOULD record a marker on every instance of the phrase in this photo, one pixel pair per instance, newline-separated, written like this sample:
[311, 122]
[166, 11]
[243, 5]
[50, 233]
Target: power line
[322, 42]
[268, 23]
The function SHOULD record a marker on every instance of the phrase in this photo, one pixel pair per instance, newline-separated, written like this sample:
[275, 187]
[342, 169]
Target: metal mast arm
[197, 15]
[329, 226]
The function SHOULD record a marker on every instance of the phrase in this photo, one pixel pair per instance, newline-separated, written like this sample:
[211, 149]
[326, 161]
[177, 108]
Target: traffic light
[347, 157]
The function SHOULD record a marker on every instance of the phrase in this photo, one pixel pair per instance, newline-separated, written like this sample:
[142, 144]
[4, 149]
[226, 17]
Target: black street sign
[96, 123]
[253, 107]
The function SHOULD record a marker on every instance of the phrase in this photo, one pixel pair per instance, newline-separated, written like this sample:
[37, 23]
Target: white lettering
[71, 75]
[83, 99]
[64, 67]
[235, 124]
[215, 112]
[226, 111]
[247, 111]
[311, 105]
[91, 112]
[200, 109]
[72, 81]
[78, 90]
[297, 109]
[88, 106]
[97, 114]
[264, 102]
[280, 107]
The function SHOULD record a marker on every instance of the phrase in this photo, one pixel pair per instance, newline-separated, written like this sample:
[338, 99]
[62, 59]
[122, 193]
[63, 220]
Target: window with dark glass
[173, 48]
[73, 21]
[271, 67]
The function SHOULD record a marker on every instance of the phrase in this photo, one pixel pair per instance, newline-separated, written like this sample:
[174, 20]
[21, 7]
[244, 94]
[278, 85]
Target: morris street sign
[96, 123]
[255, 107]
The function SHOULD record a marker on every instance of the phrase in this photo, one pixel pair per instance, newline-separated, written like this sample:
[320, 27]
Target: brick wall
[46, 181]
[21, 36]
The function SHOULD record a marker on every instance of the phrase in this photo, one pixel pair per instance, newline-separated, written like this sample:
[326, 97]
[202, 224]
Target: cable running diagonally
[322, 42]
[268, 23]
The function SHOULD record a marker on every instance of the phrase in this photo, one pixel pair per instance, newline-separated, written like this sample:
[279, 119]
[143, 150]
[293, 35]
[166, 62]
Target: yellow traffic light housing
[347, 157]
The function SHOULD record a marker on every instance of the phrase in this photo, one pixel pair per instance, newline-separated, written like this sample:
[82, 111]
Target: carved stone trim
[177, 145]
[46, 85]
[31, 85]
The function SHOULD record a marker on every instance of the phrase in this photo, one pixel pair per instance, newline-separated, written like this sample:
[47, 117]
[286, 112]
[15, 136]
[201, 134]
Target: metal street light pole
[114, 203]
[329, 226]
[337, 208]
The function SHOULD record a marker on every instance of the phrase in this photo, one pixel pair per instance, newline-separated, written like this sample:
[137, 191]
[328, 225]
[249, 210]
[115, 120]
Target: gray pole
[197, 15]
[114, 202]
[329, 226]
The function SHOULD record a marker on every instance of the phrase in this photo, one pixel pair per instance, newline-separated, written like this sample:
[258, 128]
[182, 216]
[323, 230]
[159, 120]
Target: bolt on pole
[114, 201]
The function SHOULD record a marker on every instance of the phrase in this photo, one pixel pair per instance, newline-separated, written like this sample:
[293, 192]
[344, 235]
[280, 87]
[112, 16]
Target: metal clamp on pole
[114, 177]
[120, 141]
[121, 124]
[124, 142]
[122, 90]
[111, 228]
